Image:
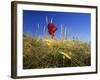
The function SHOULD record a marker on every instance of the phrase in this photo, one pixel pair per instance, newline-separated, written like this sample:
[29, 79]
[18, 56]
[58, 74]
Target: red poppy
[52, 29]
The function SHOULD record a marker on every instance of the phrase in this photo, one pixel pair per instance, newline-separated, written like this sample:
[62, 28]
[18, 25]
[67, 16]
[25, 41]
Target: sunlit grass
[47, 53]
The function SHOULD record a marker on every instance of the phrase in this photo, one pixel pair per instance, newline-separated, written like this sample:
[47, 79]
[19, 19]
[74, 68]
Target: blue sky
[76, 24]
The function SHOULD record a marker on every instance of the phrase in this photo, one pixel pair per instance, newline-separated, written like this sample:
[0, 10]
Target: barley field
[51, 53]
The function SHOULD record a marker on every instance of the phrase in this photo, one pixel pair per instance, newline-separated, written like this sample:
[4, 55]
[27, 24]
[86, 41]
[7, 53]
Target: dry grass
[48, 53]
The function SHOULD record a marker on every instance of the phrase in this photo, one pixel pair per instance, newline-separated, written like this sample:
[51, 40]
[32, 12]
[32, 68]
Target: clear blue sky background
[77, 24]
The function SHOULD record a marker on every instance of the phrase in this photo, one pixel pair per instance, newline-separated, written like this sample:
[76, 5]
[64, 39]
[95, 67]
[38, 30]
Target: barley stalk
[51, 20]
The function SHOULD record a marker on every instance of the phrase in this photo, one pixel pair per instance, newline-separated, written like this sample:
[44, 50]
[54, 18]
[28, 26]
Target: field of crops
[50, 53]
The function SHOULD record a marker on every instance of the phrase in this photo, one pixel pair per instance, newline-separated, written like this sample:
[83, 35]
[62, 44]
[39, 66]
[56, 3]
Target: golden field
[50, 53]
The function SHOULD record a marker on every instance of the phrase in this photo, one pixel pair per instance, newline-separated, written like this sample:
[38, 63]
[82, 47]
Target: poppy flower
[52, 29]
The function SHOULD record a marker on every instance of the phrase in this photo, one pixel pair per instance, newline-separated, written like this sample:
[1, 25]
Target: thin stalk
[46, 19]
[51, 20]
